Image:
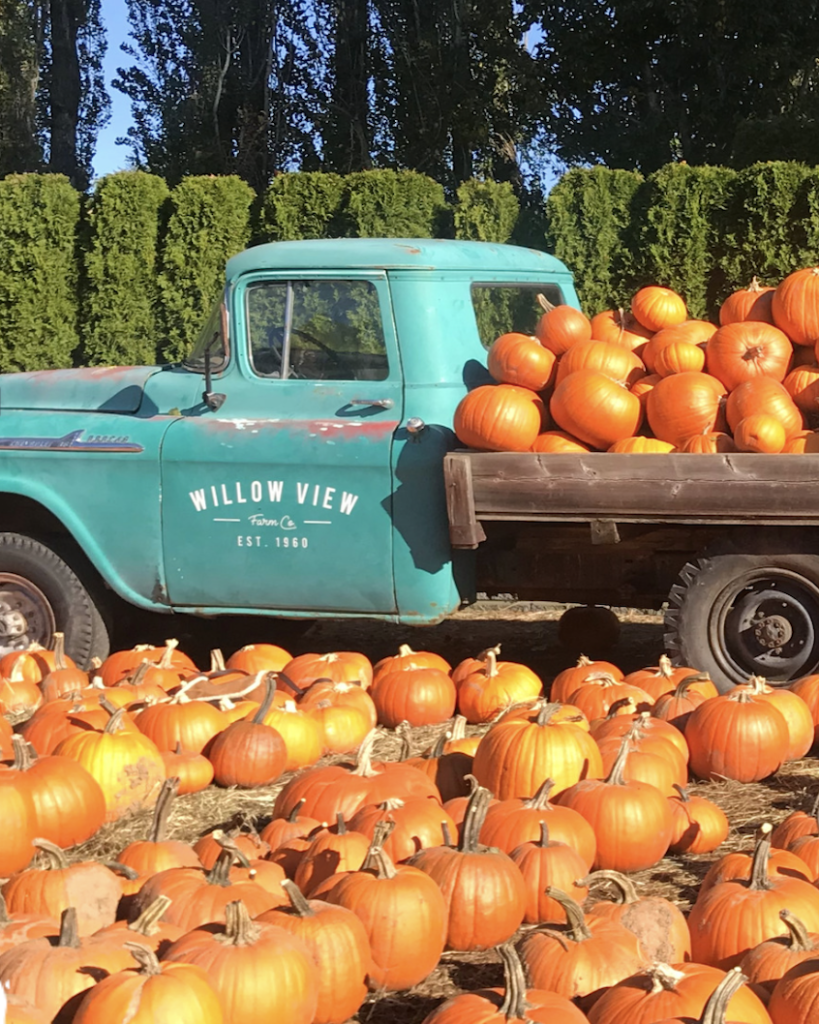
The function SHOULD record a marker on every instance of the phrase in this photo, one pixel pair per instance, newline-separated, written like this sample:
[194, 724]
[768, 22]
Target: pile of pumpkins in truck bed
[653, 380]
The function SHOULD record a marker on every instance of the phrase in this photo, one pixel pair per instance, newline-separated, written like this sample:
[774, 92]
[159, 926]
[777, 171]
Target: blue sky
[110, 157]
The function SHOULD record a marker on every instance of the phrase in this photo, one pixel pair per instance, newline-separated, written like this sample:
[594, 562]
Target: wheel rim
[763, 624]
[26, 615]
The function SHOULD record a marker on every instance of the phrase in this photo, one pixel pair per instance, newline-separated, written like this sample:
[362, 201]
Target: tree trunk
[66, 17]
[347, 140]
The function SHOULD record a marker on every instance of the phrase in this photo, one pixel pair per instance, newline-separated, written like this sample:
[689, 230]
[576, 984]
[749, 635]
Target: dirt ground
[527, 633]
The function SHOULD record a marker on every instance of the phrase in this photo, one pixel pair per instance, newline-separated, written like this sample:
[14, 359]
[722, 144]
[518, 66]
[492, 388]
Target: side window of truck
[500, 308]
[316, 330]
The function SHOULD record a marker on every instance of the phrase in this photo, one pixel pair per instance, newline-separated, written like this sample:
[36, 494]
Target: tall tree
[223, 86]
[22, 30]
[636, 83]
[347, 130]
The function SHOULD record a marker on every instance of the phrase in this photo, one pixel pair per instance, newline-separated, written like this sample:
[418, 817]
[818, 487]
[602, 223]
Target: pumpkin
[337, 942]
[644, 386]
[663, 993]
[760, 433]
[709, 443]
[68, 802]
[802, 384]
[730, 918]
[348, 695]
[612, 361]
[620, 328]
[659, 679]
[751, 348]
[596, 696]
[17, 823]
[558, 442]
[420, 822]
[259, 971]
[192, 723]
[691, 332]
[736, 736]
[194, 771]
[494, 687]
[631, 820]
[64, 677]
[567, 681]
[547, 862]
[795, 306]
[656, 307]
[330, 789]
[521, 359]
[17, 928]
[420, 696]
[510, 823]
[404, 915]
[446, 763]
[337, 666]
[561, 327]
[751, 303]
[642, 446]
[679, 357]
[147, 929]
[658, 923]
[408, 658]
[766, 963]
[484, 891]
[249, 753]
[513, 1005]
[331, 851]
[738, 865]
[499, 417]
[518, 754]
[150, 993]
[700, 825]
[685, 404]
[127, 765]
[793, 1000]
[793, 709]
[122, 663]
[763, 395]
[589, 627]
[595, 409]
[156, 853]
[253, 658]
[796, 825]
[581, 962]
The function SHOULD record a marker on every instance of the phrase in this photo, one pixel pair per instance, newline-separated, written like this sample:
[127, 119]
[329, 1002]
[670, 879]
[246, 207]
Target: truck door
[281, 499]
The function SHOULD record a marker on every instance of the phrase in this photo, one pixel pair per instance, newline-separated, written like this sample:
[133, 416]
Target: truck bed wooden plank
[677, 487]
[464, 529]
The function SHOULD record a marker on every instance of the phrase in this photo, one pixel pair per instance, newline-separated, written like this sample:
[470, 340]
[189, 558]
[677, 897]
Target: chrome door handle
[382, 403]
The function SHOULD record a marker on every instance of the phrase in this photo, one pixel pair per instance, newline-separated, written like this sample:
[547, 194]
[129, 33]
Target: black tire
[35, 577]
[750, 611]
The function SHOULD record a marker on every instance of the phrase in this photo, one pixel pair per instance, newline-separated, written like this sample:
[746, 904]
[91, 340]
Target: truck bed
[606, 489]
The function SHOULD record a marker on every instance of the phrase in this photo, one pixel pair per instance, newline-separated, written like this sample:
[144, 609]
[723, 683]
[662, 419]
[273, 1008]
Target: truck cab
[291, 466]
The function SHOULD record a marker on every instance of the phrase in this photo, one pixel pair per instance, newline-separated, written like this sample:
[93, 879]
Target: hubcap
[26, 616]
[765, 623]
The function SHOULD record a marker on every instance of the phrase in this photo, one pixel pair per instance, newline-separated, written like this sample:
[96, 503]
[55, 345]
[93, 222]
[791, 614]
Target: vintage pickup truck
[301, 463]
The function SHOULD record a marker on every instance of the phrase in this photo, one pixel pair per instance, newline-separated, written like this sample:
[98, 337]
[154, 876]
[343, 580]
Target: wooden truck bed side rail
[601, 488]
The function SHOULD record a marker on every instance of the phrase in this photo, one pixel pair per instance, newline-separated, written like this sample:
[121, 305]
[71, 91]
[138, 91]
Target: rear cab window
[501, 307]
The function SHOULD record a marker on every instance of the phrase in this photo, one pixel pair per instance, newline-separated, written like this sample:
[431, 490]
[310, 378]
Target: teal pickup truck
[301, 463]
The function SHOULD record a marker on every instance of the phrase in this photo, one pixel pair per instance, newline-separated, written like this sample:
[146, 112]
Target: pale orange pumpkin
[656, 307]
[521, 359]
[685, 404]
[795, 306]
[499, 417]
[619, 328]
[760, 433]
[613, 361]
[561, 327]
[751, 303]
[742, 351]
[595, 409]
[763, 395]
[558, 442]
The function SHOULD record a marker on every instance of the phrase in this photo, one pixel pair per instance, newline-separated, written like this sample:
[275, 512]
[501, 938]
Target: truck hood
[117, 389]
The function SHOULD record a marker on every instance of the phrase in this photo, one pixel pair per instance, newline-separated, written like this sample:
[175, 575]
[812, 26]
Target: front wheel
[735, 615]
[41, 593]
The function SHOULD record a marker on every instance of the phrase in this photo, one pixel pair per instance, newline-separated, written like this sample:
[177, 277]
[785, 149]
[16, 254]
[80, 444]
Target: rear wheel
[40, 593]
[738, 614]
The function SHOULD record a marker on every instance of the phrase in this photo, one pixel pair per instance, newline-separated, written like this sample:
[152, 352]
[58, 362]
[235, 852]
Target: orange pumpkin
[685, 404]
[760, 433]
[751, 303]
[499, 417]
[692, 332]
[561, 327]
[679, 357]
[558, 442]
[620, 328]
[521, 359]
[795, 306]
[613, 361]
[742, 351]
[595, 409]
[802, 384]
[656, 307]
[711, 443]
[763, 395]
[642, 445]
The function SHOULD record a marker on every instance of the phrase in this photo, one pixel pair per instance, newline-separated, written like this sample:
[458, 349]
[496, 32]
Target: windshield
[500, 308]
[214, 337]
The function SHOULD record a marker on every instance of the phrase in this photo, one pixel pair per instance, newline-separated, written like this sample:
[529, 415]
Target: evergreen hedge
[209, 222]
[39, 219]
[121, 322]
[127, 275]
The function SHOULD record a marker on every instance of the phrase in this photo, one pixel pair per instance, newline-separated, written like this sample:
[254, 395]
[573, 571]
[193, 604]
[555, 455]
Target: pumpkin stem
[298, 901]
[490, 669]
[438, 749]
[59, 651]
[476, 810]
[166, 661]
[616, 774]
[292, 817]
[378, 861]
[684, 792]
[289, 683]
[269, 693]
[405, 651]
[717, 1005]
[239, 928]
[114, 723]
[458, 731]
[664, 667]
[445, 832]
[56, 859]
[217, 661]
[546, 712]
[540, 801]
[341, 827]
[139, 675]
[162, 809]
[626, 891]
[544, 303]
[664, 977]
[146, 958]
[364, 763]
[69, 931]
[800, 941]
[22, 753]
[4, 911]
[759, 865]
[544, 834]
[574, 913]
[404, 732]
[514, 1005]
[122, 869]
[219, 874]
[147, 922]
